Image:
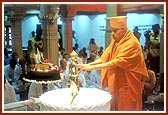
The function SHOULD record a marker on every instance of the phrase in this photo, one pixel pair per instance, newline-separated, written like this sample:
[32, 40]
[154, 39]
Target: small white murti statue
[73, 74]
[38, 57]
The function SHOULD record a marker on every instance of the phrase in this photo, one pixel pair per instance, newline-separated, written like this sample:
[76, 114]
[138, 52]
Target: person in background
[9, 92]
[157, 99]
[154, 48]
[10, 97]
[65, 71]
[122, 67]
[31, 46]
[92, 77]
[94, 55]
[83, 54]
[100, 52]
[60, 54]
[9, 71]
[93, 45]
[7, 57]
[149, 84]
[66, 56]
[20, 70]
[147, 37]
[16, 57]
[30, 67]
[76, 48]
[39, 41]
[74, 40]
[136, 33]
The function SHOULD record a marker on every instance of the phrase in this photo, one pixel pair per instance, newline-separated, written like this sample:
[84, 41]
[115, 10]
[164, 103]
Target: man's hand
[31, 103]
[84, 67]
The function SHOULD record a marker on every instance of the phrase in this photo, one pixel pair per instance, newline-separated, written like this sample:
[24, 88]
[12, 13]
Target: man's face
[63, 64]
[117, 32]
[30, 67]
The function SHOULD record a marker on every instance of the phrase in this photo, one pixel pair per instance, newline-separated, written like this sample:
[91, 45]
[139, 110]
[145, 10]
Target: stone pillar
[16, 30]
[49, 33]
[111, 10]
[67, 34]
[67, 12]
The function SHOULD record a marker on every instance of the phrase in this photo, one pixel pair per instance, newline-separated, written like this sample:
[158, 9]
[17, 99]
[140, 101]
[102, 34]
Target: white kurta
[9, 94]
[9, 73]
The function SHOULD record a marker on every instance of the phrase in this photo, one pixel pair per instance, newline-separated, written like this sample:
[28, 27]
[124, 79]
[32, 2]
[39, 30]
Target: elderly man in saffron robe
[122, 67]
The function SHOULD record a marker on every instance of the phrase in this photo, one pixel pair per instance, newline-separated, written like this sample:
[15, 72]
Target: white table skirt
[88, 99]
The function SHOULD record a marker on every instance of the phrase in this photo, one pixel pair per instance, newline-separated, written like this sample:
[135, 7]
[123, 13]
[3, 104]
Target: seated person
[65, 71]
[9, 70]
[15, 56]
[9, 92]
[20, 70]
[82, 80]
[92, 77]
[149, 84]
[159, 96]
[10, 97]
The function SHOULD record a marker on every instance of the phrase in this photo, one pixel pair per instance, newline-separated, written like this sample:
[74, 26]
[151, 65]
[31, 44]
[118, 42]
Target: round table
[88, 99]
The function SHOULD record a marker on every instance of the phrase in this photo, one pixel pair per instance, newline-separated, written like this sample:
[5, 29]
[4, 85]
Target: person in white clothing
[9, 70]
[92, 77]
[20, 70]
[65, 71]
[82, 80]
[9, 93]
[10, 97]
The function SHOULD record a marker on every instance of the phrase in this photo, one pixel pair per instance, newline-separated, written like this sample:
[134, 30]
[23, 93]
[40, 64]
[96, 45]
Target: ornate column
[111, 10]
[16, 30]
[68, 12]
[67, 34]
[49, 32]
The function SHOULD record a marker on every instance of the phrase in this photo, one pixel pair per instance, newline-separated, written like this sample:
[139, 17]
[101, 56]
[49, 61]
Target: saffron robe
[124, 80]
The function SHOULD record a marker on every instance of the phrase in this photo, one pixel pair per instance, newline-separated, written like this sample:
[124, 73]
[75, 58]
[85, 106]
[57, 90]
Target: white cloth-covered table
[88, 99]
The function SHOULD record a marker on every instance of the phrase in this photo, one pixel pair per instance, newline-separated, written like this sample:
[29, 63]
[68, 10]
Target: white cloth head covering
[118, 22]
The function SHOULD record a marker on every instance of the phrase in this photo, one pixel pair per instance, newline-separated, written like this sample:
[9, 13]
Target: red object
[59, 69]
[36, 69]
[46, 61]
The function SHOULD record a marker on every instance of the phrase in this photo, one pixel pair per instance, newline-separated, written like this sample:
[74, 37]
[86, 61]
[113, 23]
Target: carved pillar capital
[18, 15]
[67, 20]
